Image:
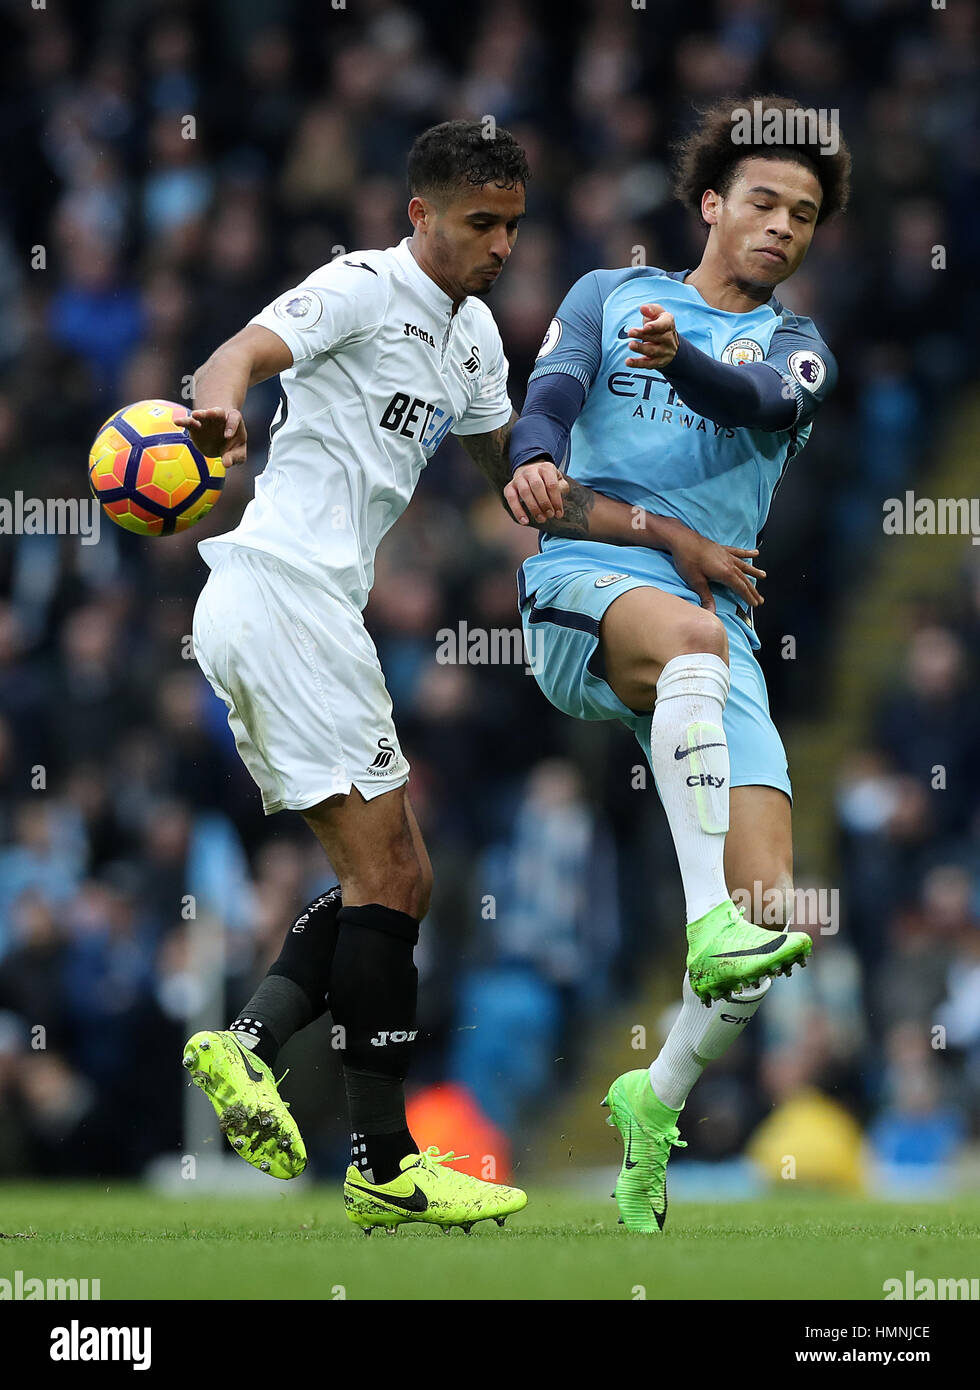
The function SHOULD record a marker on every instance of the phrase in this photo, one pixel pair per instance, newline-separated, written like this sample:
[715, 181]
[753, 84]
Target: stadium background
[156, 248]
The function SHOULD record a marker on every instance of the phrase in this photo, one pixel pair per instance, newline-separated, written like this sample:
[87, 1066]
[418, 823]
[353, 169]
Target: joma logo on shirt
[412, 330]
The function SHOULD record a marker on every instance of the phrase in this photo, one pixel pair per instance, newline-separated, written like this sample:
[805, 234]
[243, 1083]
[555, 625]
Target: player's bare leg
[385, 882]
[662, 653]
[759, 850]
[665, 654]
[377, 852]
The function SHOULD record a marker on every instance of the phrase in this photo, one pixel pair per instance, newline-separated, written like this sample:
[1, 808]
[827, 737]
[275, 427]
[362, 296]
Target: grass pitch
[301, 1246]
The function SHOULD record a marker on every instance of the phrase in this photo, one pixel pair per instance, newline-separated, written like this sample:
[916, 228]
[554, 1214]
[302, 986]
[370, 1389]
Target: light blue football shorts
[561, 630]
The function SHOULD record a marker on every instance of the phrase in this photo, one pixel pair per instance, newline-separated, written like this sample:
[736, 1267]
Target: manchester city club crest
[742, 350]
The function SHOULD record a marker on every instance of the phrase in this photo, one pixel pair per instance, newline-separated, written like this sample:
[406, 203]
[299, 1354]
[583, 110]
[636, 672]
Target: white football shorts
[306, 695]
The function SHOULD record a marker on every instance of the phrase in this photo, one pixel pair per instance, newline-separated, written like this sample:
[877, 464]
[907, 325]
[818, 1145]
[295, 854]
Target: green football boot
[426, 1190]
[727, 952]
[649, 1132]
[251, 1114]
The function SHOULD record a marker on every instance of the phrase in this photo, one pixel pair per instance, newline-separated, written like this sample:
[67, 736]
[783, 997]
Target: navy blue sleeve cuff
[750, 396]
[550, 410]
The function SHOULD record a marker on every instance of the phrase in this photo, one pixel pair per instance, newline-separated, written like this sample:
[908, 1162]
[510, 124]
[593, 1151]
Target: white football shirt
[382, 371]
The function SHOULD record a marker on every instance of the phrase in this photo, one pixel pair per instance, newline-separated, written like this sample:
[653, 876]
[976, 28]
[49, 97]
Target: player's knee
[409, 887]
[395, 878]
[697, 630]
[694, 631]
[412, 875]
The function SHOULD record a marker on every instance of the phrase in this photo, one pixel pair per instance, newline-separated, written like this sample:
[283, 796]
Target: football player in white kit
[381, 355]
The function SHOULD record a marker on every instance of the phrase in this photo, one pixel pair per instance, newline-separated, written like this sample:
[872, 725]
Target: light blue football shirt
[635, 440]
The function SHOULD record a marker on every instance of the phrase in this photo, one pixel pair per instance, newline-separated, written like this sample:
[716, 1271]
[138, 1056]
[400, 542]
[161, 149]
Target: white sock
[700, 1035]
[689, 757]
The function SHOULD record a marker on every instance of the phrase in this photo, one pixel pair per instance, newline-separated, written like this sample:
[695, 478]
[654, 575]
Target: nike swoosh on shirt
[625, 333]
[686, 752]
[361, 265]
[755, 951]
[418, 1201]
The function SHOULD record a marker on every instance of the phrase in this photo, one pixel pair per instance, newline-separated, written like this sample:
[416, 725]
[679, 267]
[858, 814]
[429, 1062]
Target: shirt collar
[426, 286]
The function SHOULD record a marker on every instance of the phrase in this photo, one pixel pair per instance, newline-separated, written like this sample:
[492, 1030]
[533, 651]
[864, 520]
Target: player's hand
[656, 340]
[699, 562]
[217, 432]
[535, 492]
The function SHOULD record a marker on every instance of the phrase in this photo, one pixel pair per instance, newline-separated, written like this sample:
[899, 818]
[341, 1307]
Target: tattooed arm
[540, 495]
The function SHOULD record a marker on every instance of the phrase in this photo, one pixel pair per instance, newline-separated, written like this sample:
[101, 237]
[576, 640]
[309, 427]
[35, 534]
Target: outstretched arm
[220, 387]
[754, 395]
[343, 302]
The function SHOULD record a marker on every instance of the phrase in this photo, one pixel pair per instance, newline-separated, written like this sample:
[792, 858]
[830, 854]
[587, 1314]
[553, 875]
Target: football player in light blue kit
[687, 394]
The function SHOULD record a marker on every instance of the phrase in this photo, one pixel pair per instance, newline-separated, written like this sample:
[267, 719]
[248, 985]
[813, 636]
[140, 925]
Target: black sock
[294, 990]
[380, 1137]
[373, 991]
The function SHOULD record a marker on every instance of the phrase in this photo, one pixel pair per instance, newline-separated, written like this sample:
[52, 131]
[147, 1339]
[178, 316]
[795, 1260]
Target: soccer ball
[148, 474]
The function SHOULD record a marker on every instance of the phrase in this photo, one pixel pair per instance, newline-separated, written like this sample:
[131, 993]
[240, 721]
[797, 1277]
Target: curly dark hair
[452, 154]
[709, 156]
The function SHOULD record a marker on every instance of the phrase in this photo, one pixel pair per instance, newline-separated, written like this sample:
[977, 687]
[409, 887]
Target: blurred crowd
[171, 167]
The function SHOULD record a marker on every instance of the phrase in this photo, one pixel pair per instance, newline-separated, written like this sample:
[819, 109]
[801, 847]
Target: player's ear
[710, 206]
[419, 212]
